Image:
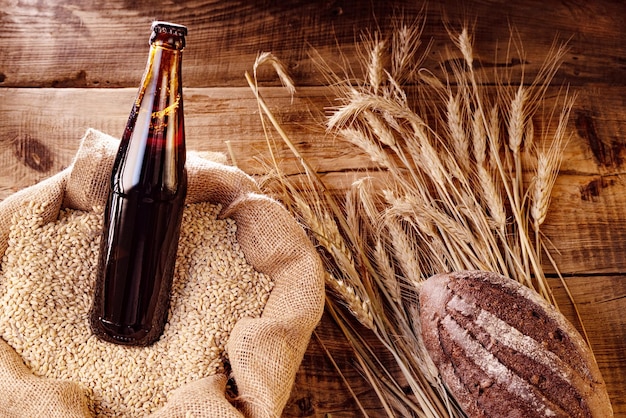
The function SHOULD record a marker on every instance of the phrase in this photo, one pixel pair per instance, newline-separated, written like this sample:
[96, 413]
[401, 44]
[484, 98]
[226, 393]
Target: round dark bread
[503, 351]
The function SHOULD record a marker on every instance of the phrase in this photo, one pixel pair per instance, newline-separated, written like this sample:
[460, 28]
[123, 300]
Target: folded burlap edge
[264, 353]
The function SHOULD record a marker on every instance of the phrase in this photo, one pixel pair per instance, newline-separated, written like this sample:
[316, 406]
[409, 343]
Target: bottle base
[123, 334]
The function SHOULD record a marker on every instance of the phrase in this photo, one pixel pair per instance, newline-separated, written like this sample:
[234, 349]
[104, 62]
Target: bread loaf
[503, 351]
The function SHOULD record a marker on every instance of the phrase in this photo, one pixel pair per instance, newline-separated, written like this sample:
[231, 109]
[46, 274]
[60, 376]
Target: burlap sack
[264, 353]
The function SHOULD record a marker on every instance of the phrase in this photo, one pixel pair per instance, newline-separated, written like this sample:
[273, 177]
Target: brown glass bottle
[145, 203]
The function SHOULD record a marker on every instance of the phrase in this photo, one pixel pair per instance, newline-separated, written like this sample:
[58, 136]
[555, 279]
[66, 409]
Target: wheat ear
[279, 67]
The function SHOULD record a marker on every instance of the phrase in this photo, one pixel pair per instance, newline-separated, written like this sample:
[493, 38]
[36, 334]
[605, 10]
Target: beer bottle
[145, 203]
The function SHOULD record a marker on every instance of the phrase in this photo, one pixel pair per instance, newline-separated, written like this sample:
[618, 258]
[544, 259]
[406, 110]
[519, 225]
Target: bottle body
[145, 203]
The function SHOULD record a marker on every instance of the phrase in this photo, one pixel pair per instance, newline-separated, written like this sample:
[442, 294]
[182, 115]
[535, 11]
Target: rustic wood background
[67, 66]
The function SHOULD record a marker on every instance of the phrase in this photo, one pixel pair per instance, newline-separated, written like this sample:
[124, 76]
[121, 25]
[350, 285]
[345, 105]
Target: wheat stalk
[407, 53]
[380, 129]
[458, 133]
[404, 251]
[548, 163]
[465, 46]
[359, 307]
[371, 148]
[376, 69]
[479, 138]
[265, 58]
[455, 198]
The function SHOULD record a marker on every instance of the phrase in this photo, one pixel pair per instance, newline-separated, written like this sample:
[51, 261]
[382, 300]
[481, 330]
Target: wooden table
[67, 66]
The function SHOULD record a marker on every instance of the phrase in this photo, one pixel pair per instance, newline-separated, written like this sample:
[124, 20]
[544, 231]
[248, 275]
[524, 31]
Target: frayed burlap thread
[264, 353]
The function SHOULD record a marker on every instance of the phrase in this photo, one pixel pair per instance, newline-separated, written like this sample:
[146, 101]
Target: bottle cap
[168, 34]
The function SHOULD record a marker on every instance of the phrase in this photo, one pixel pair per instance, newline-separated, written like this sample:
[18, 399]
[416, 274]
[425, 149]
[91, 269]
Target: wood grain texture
[590, 189]
[318, 391]
[68, 66]
[599, 300]
[81, 43]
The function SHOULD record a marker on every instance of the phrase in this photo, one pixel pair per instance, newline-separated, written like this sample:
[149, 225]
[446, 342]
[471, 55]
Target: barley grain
[46, 283]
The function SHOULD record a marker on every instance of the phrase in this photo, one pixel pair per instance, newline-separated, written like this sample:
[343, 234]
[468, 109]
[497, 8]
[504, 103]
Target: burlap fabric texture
[264, 353]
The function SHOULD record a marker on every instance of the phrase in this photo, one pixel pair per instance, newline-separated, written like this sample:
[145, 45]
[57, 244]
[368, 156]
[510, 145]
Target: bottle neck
[170, 44]
[164, 59]
[163, 77]
[154, 139]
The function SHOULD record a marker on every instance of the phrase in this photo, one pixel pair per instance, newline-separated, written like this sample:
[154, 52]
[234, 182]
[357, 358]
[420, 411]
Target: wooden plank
[45, 126]
[589, 194]
[59, 117]
[83, 48]
[318, 389]
[601, 301]
[104, 44]
[594, 235]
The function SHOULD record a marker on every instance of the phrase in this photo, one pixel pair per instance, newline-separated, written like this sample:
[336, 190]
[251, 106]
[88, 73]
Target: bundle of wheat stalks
[465, 178]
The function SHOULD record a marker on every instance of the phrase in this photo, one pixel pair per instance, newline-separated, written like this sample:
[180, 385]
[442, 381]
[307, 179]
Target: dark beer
[145, 203]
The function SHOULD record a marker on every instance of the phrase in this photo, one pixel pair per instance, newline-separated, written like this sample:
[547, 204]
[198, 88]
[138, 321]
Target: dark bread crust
[503, 351]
